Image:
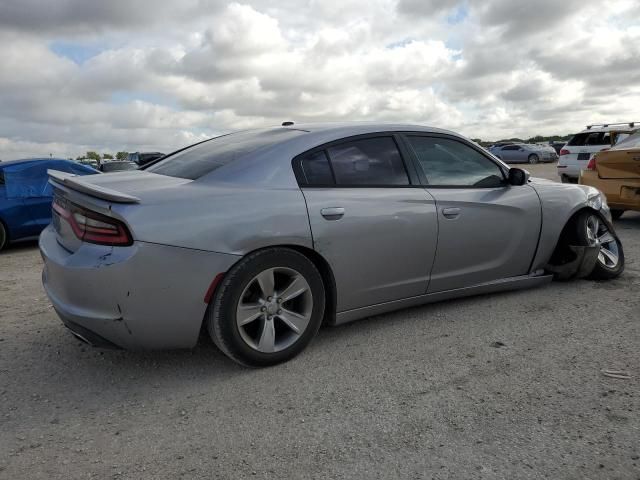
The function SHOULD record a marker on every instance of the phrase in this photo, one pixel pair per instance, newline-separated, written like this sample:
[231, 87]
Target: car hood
[543, 182]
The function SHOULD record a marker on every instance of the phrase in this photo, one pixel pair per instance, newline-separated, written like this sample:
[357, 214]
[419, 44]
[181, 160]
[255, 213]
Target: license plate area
[584, 156]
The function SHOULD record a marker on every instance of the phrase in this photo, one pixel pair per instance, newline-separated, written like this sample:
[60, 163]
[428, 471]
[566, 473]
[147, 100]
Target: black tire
[4, 237]
[533, 159]
[616, 214]
[564, 179]
[601, 271]
[221, 313]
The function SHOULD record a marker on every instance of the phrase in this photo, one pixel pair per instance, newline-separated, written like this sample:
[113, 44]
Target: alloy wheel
[598, 234]
[274, 309]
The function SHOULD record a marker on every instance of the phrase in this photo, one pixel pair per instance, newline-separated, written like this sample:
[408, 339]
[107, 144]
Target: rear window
[590, 138]
[203, 158]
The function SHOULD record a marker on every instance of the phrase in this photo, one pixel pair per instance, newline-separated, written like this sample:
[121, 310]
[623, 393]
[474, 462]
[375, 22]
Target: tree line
[105, 156]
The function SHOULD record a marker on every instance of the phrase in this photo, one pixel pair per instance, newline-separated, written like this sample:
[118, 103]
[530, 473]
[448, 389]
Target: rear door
[487, 229]
[370, 218]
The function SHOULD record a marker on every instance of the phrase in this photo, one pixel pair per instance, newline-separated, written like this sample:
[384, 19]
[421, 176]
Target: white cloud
[170, 73]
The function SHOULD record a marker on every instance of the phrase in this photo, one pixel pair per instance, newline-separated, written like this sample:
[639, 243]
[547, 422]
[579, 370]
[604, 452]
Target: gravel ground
[500, 386]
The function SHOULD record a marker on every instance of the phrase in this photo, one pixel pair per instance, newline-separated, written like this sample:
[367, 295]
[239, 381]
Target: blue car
[26, 195]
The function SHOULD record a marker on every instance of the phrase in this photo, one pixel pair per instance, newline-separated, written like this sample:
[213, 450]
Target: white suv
[575, 155]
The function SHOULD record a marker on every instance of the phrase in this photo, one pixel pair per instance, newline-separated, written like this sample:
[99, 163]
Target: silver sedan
[524, 153]
[259, 237]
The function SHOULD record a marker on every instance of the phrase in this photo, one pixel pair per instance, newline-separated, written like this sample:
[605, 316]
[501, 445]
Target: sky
[147, 75]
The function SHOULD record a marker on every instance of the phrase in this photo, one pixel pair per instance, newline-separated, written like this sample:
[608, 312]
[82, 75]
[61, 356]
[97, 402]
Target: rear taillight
[564, 151]
[592, 163]
[92, 227]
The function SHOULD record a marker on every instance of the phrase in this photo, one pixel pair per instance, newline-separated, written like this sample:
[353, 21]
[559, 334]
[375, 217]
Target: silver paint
[387, 247]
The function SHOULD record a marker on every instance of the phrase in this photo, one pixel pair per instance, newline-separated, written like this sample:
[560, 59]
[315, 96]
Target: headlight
[597, 201]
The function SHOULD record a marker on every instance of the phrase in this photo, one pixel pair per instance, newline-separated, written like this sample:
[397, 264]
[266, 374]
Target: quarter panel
[227, 219]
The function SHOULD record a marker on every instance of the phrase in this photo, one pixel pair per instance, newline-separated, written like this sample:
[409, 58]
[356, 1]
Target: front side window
[447, 162]
[368, 162]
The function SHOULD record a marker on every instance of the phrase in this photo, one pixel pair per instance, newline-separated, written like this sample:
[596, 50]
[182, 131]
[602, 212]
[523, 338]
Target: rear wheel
[592, 231]
[4, 238]
[564, 179]
[616, 214]
[533, 158]
[268, 307]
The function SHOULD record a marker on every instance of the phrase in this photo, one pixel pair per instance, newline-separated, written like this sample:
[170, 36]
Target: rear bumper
[571, 169]
[145, 296]
[614, 189]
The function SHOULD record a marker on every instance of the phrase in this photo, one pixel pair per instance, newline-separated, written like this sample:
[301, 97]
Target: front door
[488, 229]
[376, 229]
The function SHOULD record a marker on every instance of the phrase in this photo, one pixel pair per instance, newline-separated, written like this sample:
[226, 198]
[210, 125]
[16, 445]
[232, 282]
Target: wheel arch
[6, 230]
[561, 253]
[326, 273]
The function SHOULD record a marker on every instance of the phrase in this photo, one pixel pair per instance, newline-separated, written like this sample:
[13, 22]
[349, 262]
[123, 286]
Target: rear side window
[203, 158]
[316, 169]
[590, 138]
[511, 147]
[368, 162]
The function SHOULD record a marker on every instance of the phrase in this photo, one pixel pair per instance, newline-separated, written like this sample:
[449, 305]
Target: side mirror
[518, 176]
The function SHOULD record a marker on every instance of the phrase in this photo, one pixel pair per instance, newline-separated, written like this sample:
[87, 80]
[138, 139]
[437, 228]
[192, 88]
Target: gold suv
[616, 173]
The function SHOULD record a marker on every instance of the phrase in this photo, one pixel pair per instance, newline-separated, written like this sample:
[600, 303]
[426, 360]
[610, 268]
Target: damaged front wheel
[591, 230]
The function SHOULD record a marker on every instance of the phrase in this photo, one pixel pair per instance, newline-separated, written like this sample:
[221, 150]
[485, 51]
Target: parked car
[142, 158]
[25, 196]
[575, 155]
[90, 162]
[117, 166]
[557, 146]
[616, 173]
[260, 236]
[524, 153]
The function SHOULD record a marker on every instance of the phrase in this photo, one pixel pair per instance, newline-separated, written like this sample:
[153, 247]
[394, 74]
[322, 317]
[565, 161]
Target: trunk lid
[619, 164]
[110, 195]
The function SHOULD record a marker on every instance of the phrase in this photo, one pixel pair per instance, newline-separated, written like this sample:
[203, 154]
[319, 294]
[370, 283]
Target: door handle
[332, 213]
[451, 212]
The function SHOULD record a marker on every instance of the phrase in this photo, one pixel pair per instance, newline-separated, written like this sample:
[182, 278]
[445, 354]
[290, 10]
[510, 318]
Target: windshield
[203, 158]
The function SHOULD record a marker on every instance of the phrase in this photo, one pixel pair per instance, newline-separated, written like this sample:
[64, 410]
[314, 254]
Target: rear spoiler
[75, 182]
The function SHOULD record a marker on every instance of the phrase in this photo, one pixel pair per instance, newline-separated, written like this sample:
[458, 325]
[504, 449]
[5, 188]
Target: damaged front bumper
[582, 266]
[585, 257]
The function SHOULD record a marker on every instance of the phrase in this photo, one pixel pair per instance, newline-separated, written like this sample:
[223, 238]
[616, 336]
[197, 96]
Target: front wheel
[591, 230]
[268, 307]
[533, 159]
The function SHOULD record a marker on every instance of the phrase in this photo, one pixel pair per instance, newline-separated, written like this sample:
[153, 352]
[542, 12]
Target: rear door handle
[451, 212]
[332, 213]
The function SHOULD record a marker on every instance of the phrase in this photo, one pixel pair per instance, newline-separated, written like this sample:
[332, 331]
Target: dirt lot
[503, 386]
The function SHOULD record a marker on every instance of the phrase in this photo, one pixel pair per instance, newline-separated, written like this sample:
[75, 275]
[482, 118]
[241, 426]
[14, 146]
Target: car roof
[316, 134]
[612, 128]
[271, 164]
[28, 160]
